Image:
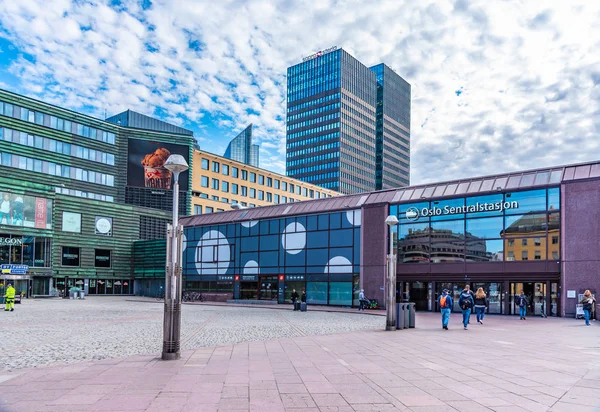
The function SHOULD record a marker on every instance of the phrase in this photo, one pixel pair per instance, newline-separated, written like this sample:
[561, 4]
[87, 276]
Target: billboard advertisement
[28, 211]
[145, 164]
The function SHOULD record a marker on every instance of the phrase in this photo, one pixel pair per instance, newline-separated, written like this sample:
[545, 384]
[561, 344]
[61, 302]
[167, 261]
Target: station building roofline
[511, 181]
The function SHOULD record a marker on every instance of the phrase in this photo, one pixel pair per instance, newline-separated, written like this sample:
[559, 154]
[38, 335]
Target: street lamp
[172, 318]
[390, 323]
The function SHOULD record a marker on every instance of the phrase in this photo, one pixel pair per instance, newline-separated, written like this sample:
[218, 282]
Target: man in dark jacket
[303, 298]
[295, 297]
[466, 303]
[521, 301]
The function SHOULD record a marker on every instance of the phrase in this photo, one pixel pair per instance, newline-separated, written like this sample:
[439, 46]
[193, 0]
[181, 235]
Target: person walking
[361, 300]
[588, 302]
[480, 304]
[445, 303]
[522, 303]
[466, 303]
[10, 298]
[303, 297]
[468, 288]
[295, 297]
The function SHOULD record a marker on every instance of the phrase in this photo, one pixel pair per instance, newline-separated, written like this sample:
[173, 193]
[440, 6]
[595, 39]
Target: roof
[522, 180]
[136, 120]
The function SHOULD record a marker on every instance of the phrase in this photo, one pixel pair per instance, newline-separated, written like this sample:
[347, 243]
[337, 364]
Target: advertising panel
[71, 222]
[145, 164]
[27, 211]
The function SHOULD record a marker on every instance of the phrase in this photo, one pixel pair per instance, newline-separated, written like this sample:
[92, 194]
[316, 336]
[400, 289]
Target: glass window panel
[407, 194]
[500, 183]
[268, 259]
[484, 228]
[529, 201]
[317, 239]
[447, 252]
[527, 180]
[487, 185]
[428, 192]
[439, 191]
[474, 186]
[595, 170]
[340, 238]
[556, 176]
[484, 250]
[414, 232]
[488, 201]
[449, 209]
[462, 188]
[541, 178]
[417, 193]
[582, 172]
[419, 206]
[450, 189]
[340, 293]
[316, 293]
[554, 198]
[513, 181]
[447, 230]
[525, 224]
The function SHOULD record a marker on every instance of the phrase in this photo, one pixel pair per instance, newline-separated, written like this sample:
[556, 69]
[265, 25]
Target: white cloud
[528, 71]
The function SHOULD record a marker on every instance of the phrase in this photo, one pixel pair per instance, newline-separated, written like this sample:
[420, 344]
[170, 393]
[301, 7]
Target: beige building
[219, 182]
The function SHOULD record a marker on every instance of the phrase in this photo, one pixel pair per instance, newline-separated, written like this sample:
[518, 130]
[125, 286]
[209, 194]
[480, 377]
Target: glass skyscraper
[242, 150]
[393, 129]
[332, 122]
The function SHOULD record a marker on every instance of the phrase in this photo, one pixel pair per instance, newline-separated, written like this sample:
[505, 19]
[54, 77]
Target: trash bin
[411, 315]
[81, 294]
[400, 307]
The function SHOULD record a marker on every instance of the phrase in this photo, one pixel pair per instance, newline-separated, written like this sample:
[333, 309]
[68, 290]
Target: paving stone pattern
[505, 365]
[47, 331]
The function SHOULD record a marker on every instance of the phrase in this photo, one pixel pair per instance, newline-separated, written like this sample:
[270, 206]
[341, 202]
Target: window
[244, 191]
[277, 199]
[261, 180]
[244, 175]
[215, 167]
[234, 172]
[555, 255]
[312, 194]
[261, 195]
[524, 242]
[215, 184]
[510, 256]
[252, 177]
[234, 188]
[304, 192]
[224, 200]
[269, 182]
[284, 186]
[252, 193]
[283, 199]
[524, 255]
[298, 189]
[208, 209]
[102, 259]
[71, 222]
[269, 197]
[537, 255]
[70, 256]
[204, 181]
[537, 241]
[277, 183]
[197, 209]
[291, 188]
[205, 164]
[225, 186]
[555, 240]
[225, 170]
[511, 242]
[215, 198]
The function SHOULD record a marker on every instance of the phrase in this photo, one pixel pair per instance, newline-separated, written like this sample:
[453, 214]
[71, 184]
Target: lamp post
[172, 318]
[390, 323]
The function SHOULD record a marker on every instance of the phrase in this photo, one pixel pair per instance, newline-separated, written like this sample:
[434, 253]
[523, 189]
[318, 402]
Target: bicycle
[189, 296]
[160, 296]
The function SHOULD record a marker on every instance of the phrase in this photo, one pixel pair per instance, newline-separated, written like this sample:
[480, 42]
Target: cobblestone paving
[42, 332]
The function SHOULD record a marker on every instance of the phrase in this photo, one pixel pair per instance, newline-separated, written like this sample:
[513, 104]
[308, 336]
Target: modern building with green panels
[76, 192]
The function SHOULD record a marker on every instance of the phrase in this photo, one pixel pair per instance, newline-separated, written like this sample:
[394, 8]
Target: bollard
[400, 316]
[412, 315]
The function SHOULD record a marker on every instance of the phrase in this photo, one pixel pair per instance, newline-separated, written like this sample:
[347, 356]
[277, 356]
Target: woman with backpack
[466, 303]
[588, 304]
[480, 304]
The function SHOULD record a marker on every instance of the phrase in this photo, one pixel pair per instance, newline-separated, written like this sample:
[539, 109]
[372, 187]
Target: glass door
[539, 299]
[493, 290]
[554, 299]
[267, 287]
[248, 290]
[419, 293]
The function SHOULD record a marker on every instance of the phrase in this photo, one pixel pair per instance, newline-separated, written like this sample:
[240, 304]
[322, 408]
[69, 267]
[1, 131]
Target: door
[267, 287]
[528, 289]
[418, 292]
[493, 290]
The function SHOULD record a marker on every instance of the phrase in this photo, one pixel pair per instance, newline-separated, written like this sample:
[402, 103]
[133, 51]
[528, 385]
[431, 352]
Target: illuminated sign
[319, 53]
[413, 213]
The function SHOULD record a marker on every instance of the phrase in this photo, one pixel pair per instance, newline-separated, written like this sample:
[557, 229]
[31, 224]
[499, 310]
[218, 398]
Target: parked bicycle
[189, 296]
[160, 296]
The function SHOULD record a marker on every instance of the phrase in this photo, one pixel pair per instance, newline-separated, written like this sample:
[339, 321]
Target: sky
[497, 86]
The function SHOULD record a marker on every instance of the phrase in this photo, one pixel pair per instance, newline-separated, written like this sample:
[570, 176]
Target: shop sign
[41, 210]
[250, 277]
[11, 241]
[104, 226]
[413, 213]
[319, 53]
[15, 269]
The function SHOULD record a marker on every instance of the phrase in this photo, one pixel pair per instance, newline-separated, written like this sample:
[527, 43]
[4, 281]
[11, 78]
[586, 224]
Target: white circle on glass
[338, 264]
[103, 226]
[354, 217]
[251, 268]
[250, 223]
[294, 238]
[213, 253]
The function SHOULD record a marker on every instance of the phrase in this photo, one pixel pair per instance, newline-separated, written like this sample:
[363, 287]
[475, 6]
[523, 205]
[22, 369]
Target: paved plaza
[308, 365]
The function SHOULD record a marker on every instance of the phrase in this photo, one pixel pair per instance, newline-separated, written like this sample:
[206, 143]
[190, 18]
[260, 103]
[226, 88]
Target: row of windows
[354, 102]
[314, 102]
[351, 120]
[355, 160]
[352, 178]
[56, 146]
[317, 87]
[351, 166]
[318, 110]
[390, 183]
[57, 123]
[397, 131]
[348, 188]
[314, 130]
[389, 148]
[357, 113]
[49, 168]
[313, 159]
[311, 122]
[322, 176]
[312, 140]
[400, 138]
[316, 149]
[370, 137]
[225, 186]
[322, 166]
[387, 164]
[81, 193]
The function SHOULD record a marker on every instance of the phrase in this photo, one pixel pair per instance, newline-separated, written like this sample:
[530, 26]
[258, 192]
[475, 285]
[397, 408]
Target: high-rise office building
[393, 129]
[242, 150]
[332, 108]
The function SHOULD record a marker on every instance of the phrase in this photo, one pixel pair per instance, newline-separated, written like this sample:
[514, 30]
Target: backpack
[443, 303]
[466, 303]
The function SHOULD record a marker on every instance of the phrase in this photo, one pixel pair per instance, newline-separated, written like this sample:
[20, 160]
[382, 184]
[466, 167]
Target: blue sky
[496, 86]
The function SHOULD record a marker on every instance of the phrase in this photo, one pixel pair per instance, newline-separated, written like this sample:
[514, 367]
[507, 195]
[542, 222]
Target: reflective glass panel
[484, 228]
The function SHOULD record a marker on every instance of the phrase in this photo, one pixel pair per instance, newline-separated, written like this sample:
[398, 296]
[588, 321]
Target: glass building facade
[242, 150]
[393, 129]
[332, 108]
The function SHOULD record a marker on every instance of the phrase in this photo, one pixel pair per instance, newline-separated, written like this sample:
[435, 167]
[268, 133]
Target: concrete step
[252, 302]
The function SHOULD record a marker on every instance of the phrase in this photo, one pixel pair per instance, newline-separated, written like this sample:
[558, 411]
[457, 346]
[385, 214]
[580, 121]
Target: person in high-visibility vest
[10, 298]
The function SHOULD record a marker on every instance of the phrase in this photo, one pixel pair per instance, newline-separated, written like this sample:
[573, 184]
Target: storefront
[528, 232]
